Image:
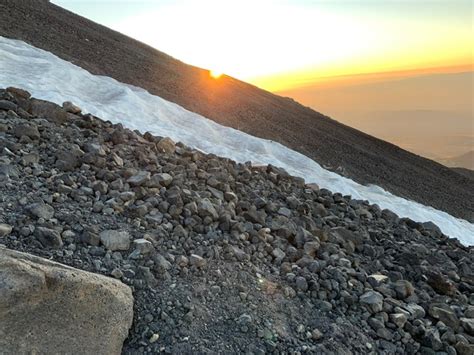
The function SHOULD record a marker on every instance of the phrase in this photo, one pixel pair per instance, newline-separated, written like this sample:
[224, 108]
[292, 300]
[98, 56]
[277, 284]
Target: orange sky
[284, 44]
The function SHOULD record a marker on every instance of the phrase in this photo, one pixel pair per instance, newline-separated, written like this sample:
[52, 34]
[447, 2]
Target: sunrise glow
[215, 74]
[279, 45]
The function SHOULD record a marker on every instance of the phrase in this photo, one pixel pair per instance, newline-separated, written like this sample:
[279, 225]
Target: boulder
[47, 307]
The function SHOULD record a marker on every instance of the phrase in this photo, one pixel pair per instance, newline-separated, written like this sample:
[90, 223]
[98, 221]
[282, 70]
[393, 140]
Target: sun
[215, 74]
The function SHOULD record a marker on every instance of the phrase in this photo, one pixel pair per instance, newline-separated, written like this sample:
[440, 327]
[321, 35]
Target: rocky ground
[226, 257]
[236, 104]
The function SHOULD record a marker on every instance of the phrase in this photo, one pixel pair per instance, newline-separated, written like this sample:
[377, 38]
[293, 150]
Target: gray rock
[166, 145]
[197, 261]
[159, 180]
[468, 325]
[301, 284]
[5, 230]
[399, 319]
[372, 300]
[463, 348]
[48, 110]
[376, 280]
[18, 93]
[283, 211]
[139, 179]
[143, 246]
[161, 262]
[68, 160]
[7, 105]
[445, 315]
[47, 308]
[432, 340]
[278, 253]
[70, 107]
[316, 334]
[403, 288]
[205, 208]
[48, 237]
[416, 311]
[311, 248]
[26, 129]
[41, 210]
[115, 240]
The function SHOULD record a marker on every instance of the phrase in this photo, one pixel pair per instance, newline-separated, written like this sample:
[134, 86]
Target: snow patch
[50, 78]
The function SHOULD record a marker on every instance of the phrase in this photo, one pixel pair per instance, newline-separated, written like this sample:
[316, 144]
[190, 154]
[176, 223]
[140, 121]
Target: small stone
[197, 261]
[166, 145]
[26, 129]
[399, 319]
[373, 300]
[316, 334]
[70, 107]
[468, 325]
[41, 210]
[19, 93]
[230, 196]
[205, 208]
[446, 316]
[5, 230]
[7, 105]
[117, 273]
[403, 288]
[301, 284]
[415, 310]
[159, 180]
[283, 211]
[441, 284]
[278, 254]
[154, 338]
[139, 179]
[432, 340]
[376, 280]
[463, 348]
[311, 248]
[385, 333]
[143, 246]
[115, 240]
[48, 237]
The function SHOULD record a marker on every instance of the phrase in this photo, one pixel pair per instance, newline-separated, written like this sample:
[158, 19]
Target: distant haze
[428, 114]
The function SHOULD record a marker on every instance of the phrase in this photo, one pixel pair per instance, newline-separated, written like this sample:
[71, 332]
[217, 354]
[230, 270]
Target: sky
[285, 44]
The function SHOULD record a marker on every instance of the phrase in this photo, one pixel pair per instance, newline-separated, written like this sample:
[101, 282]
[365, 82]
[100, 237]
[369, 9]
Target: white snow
[48, 77]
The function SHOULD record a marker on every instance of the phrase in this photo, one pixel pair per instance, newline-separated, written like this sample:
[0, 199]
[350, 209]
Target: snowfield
[48, 77]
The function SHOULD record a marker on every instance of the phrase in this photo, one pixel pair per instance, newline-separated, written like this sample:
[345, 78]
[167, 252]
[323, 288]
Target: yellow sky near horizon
[283, 44]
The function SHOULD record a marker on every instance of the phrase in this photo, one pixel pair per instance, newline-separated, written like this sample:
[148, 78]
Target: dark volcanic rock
[236, 104]
[224, 257]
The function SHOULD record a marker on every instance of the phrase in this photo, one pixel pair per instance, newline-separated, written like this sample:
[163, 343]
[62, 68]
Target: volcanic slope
[237, 104]
[223, 257]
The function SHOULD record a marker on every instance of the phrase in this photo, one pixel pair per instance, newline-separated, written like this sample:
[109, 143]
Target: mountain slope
[237, 104]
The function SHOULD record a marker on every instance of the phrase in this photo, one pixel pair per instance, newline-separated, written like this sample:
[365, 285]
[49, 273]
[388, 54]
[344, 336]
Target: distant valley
[429, 114]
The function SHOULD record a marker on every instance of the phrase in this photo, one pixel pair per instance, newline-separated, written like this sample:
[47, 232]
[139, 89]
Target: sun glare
[215, 74]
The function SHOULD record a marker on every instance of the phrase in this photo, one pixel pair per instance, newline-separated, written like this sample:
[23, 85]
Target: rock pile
[226, 257]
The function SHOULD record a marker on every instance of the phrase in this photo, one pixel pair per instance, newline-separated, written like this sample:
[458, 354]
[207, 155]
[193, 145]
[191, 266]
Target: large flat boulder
[50, 308]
